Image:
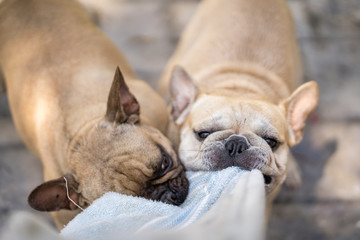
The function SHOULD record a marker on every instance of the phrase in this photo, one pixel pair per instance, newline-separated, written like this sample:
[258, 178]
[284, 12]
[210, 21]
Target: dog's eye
[273, 143]
[203, 134]
[166, 164]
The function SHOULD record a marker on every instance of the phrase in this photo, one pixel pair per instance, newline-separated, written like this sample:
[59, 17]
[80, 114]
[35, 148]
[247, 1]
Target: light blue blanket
[116, 214]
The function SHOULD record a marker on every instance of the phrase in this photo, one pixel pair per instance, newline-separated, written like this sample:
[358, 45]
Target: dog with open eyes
[81, 120]
[231, 82]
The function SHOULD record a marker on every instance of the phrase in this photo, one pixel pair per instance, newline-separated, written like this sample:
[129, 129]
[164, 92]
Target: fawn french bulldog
[84, 123]
[231, 83]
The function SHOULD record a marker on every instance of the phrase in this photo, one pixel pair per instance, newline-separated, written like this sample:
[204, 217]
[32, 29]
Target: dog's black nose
[236, 145]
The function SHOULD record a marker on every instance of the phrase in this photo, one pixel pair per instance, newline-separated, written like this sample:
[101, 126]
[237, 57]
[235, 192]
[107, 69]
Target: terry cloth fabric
[116, 214]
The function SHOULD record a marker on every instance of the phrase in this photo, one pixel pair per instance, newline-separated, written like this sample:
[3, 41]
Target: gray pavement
[327, 206]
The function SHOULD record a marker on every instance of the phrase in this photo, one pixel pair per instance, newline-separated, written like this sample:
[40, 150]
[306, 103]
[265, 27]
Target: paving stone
[324, 19]
[329, 33]
[20, 170]
[341, 174]
[144, 43]
[20, 173]
[8, 134]
[4, 106]
[320, 221]
[336, 67]
[329, 163]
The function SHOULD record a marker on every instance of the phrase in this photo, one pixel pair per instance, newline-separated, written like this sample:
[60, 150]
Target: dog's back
[257, 33]
[80, 119]
[58, 68]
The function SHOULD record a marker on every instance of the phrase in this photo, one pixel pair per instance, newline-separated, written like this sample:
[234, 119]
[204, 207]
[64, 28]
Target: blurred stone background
[327, 206]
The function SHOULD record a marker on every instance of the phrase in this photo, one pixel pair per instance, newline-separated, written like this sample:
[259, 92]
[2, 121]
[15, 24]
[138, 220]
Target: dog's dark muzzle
[173, 191]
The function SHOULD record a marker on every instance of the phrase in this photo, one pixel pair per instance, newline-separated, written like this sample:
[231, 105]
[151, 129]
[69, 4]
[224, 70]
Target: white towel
[117, 215]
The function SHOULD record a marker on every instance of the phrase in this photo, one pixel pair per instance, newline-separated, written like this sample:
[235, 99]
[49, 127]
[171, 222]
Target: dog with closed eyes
[232, 84]
[93, 131]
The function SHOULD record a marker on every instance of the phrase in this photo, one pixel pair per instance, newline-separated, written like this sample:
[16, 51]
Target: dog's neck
[243, 79]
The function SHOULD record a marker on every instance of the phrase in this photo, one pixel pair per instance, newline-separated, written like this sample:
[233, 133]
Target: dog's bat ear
[122, 106]
[297, 109]
[52, 195]
[183, 92]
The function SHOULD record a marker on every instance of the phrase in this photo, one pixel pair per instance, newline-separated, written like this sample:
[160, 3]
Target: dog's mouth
[173, 191]
[267, 179]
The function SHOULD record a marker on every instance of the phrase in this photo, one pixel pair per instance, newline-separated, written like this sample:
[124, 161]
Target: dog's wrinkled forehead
[108, 145]
[216, 113]
[157, 137]
[118, 158]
